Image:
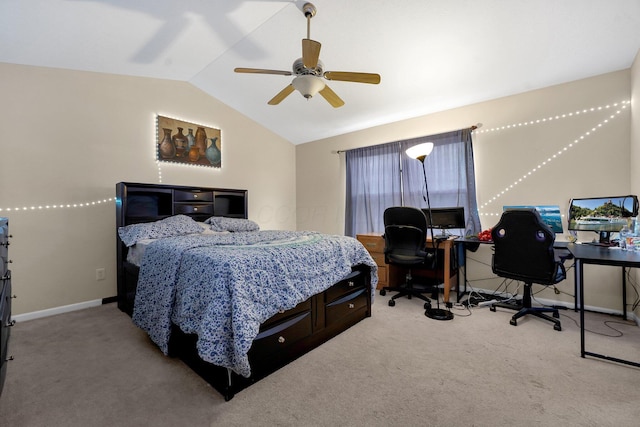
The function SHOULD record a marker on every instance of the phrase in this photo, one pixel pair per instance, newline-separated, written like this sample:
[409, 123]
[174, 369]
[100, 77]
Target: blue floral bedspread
[222, 287]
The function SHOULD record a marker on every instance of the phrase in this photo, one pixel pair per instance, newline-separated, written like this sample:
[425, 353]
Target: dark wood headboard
[136, 203]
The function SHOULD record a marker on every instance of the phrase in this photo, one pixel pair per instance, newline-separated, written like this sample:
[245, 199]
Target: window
[382, 176]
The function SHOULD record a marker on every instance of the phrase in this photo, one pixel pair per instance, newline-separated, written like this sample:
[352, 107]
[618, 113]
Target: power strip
[483, 303]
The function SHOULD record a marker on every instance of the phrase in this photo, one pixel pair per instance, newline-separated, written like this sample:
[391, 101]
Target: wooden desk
[391, 275]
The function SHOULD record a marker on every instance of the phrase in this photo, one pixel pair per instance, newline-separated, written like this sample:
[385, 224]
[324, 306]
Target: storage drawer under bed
[282, 335]
[282, 315]
[348, 305]
[355, 280]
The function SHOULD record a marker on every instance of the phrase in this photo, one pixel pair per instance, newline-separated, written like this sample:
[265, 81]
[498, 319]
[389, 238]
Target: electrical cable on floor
[461, 307]
[511, 296]
[606, 323]
[634, 285]
[559, 291]
[475, 296]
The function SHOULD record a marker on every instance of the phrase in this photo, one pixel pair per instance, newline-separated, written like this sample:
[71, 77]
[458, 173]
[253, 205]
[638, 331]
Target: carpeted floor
[94, 368]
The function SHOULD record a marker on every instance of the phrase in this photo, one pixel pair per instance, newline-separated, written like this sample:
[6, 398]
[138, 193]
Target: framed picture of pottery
[188, 143]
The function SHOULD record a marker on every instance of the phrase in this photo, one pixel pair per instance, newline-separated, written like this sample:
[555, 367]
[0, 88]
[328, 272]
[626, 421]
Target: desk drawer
[378, 258]
[373, 244]
[383, 276]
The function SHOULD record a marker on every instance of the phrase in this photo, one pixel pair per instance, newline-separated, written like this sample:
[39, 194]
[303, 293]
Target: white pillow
[221, 223]
[177, 225]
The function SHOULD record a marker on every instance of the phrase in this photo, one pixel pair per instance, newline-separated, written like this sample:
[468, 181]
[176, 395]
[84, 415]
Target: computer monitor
[550, 215]
[445, 218]
[603, 215]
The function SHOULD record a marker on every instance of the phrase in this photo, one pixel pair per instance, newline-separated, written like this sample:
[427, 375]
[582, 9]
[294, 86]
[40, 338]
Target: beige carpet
[398, 368]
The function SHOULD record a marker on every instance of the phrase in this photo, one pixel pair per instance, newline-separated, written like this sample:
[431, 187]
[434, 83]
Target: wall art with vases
[188, 143]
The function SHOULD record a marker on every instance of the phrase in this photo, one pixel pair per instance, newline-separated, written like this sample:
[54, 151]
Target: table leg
[624, 293]
[580, 288]
[447, 270]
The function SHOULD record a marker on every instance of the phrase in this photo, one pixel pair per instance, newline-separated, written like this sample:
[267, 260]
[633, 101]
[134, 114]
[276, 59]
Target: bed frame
[284, 337]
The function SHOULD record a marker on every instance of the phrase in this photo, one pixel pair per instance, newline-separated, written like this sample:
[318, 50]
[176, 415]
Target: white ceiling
[432, 55]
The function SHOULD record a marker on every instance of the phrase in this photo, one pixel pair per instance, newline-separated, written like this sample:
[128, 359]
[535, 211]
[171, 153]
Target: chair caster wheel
[513, 322]
[383, 292]
[427, 305]
[392, 302]
[557, 327]
[492, 308]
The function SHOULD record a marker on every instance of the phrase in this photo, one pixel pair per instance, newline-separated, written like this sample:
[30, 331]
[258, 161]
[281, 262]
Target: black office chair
[405, 233]
[524, 251]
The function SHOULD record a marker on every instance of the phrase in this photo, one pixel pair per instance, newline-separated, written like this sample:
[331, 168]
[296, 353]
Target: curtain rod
[471, 128]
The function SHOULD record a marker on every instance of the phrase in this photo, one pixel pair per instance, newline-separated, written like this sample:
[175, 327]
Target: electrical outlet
[101, 274]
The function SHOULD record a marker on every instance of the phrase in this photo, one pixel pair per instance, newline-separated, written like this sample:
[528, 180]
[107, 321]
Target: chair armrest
[562, 254]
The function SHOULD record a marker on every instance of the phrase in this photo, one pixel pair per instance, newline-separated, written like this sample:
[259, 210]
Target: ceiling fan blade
[281, 95]
[331, 97]
[261, 71]
[310, 53]
[346, 76]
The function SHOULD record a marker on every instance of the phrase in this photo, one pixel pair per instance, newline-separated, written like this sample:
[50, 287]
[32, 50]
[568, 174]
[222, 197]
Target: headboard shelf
[136, 203]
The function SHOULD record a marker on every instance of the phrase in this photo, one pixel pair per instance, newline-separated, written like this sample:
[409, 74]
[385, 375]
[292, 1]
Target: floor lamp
[420, 152]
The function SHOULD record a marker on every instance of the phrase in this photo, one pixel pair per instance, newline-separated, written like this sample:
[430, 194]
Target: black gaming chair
[524, 251]
[405, 233]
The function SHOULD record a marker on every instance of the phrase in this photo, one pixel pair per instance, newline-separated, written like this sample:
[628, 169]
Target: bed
[234, 302]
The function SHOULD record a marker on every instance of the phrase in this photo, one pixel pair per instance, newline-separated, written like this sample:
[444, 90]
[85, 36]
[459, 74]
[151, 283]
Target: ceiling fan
[309, 71]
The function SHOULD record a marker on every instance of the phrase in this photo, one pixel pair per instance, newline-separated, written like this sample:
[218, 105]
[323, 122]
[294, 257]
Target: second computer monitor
[550, 215]
[445, 218]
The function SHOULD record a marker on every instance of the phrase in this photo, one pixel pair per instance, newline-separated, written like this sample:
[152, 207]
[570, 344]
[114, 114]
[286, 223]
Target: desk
[589, 254]
[391, 275]
[474, 243]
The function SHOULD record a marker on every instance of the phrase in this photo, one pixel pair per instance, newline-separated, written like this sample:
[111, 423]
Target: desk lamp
[420, 152]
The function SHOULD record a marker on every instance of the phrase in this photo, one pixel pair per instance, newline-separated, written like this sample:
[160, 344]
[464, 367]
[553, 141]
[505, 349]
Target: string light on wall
[623, 105]
[179, 165]
[59, 206]
[618, 107]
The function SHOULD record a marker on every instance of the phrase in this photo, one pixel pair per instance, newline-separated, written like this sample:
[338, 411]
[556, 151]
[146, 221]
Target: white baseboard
[56, 310]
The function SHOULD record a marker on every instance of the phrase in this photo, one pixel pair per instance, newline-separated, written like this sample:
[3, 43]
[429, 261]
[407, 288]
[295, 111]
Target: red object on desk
[485, 235]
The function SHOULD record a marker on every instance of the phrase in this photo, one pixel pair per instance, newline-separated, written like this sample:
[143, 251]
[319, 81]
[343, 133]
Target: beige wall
[69, 137]
[506, 149]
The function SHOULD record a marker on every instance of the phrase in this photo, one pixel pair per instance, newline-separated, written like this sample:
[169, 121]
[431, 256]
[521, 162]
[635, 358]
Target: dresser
[391, 275]
[5, 300]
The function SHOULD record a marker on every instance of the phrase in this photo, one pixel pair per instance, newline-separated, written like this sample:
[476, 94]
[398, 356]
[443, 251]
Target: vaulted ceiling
[432, 55]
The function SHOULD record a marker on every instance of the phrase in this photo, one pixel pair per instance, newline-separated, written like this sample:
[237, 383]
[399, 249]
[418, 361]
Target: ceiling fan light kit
[309, 71]
[308, 85]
